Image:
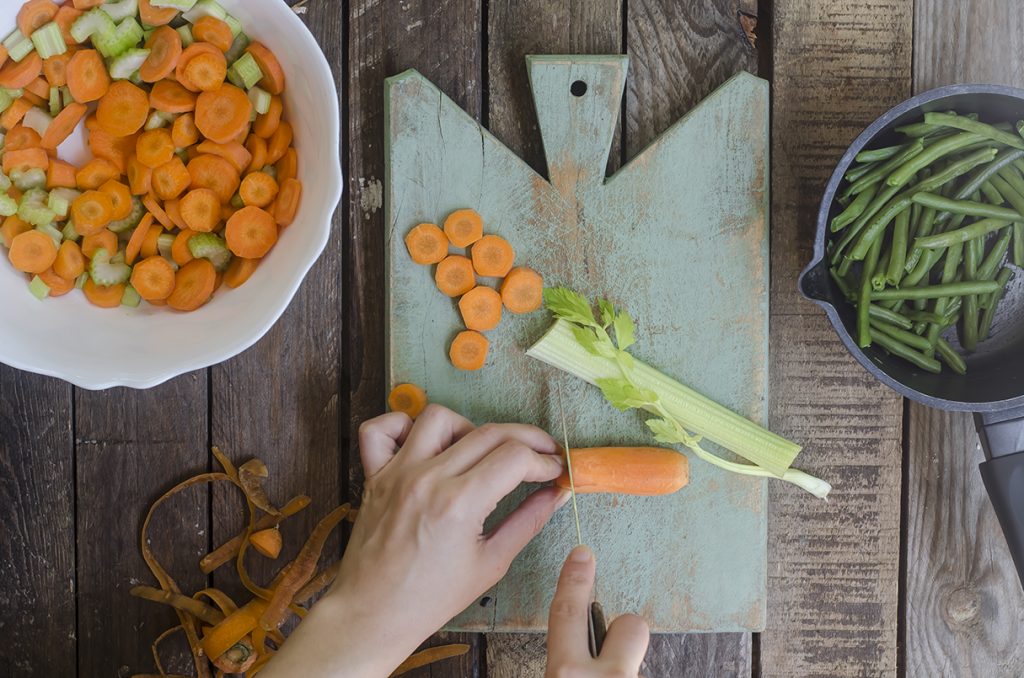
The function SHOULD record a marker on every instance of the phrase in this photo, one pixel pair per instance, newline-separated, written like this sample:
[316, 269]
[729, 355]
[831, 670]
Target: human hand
[568, 646]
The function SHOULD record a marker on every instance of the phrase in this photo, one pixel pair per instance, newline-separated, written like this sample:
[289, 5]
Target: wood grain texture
[964, 607]
[37, 539]
[131, 447]
[444, 41]
[833, 568]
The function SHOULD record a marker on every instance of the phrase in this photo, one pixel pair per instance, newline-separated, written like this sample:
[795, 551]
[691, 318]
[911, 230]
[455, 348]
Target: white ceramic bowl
[98, 348]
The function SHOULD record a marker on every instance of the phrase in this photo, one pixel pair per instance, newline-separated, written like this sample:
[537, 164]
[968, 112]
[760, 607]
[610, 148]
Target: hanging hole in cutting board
[578, 88]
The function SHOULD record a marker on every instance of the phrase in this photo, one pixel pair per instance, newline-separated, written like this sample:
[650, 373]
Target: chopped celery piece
[130, 221]
[80, 281]
[159, 119]
[28, 179]
[55, 106]
[234, 24]
[117, 258]
[136, 79]
[93, 22]
[245, 72]
[105, 271]
[271, 170]
[65, 96]
[5, 181]
[33, 209]
[237, 48]
[37, 119]
[49, 41]
[70, 232]
[18, 45]
[164, 243]
[253, 115]
[14, 38]
[185, 33]
[60, 200]
[14, 93]
[38, 288]
[182, 154]
[5, 100]
[8, 205]
[130, 297]
[127, 36]
[3, 138]
[260, 99]
[212, 247]
[121, 9]
[122, 67]
[180, 5]
[201, 9]
[237, 202]
[53, 232]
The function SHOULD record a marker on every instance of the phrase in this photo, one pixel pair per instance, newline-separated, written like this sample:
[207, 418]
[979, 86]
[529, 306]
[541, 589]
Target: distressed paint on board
[678, 236]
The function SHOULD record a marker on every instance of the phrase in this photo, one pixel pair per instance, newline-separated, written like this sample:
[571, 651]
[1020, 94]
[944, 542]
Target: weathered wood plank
[964, 606]
[131, 447]
[443, 41]
[37, 541]
[833, 568]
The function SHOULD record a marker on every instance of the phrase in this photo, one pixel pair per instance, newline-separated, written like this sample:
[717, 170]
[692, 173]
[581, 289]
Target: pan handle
[1002, 439]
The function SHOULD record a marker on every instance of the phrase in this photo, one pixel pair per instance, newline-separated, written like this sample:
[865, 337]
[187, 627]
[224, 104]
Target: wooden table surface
[902, 572]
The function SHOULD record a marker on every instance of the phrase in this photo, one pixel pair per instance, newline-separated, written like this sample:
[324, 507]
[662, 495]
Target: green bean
[985, 326]
[1018, 244]
[882, 171]
[857, 172]
[961, 235]
[923, 317]
[1012, 177]
[957, 289]
[922, 129]
[919, 328]
[908, 169]
[901, 350]
[876, 154]
[864, 300]
[969, 320]
[990, 264]
[983, 174]
[898, 258]
[973, 126]
[924, 228]
[895, 305]
[854, 209]
[949, 274]
[950, 356]
[968, 207]
[840, 281]
[991, 194]
[881, 269]
[885, 194]
[908, 338]
[923, 268]
[877, 312]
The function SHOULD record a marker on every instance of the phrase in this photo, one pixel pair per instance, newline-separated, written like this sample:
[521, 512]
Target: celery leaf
[570, 306]
[623, 395]
[607, 312]
[625, 330]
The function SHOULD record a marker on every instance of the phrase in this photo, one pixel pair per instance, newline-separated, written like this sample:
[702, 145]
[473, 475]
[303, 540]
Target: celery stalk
[38, 288]
[49, 41]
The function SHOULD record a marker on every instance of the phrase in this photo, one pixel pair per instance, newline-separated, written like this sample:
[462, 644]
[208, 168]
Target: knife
[596, 625]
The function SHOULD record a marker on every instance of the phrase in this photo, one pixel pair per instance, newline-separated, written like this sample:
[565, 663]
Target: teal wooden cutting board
[679, 237]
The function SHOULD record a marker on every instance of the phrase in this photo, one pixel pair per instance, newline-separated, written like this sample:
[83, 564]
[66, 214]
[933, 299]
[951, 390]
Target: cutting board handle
[578, 99]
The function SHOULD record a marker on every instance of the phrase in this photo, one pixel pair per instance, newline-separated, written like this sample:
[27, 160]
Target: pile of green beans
[927, 233]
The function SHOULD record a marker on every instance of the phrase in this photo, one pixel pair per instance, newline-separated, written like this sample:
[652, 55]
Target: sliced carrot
[153, 278]
[287, 204]
[288, 166]
[120, 197]
[55, 69]
[200, 208]
[151, 243]
[227, 211]
[173, 209]
[164, 47]
[105, 239]
[134, 245]
[170, 179]
[155, 16]
[179, 250]
[243, 134]
[88, 79]
[464, 227]
[267, 542]
[170, 97]
[95, 173]
[32, 252]
[480, 308]
[207, 71]
[234, 153]
[193, 284]
[239, 271]
[266, 123]
[278, 144]
[257, 147]
[522, 290]
[35, 14]
[492, 256]
[12, 228]
[104, 297]
[88, 4]
[70, 262]
[61, 175]
[221, 115]
[25, 159]
[39, 87]
[273, 74]
[20, 137]
[189, 53]
[18, 74]
[65, 17]
[214, 31]
[91, 212]
[427, 244]
[140, 177]
[63, 125]
[58, 285]
[15, 113]
[3, 55]
[250, 233]
[259, 189]
[408, 398]
[184, 132]
[455, 275]
[154, 208]
[214, 172]
[154, 147]
[123, 109]
[469, 350]
[34, 99]
[113, 148]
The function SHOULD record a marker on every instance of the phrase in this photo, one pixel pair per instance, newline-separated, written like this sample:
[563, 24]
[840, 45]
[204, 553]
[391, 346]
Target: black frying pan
[993, 387]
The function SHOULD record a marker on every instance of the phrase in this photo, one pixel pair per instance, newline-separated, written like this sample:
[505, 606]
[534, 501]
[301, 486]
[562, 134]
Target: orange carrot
[184, 132]
[455, 275]
[193, 284]
[39, 87]
[234, 153]
[70, 262]
[95, 173]
[273, 74]
[250, 233]
[227, 211]
[427, 244]
[200, 208]
[154, 147]
[88, 79]
[522, 290]
[266, 123]
[288, 166]
[33, 99]
[12, 228]
[153, 278]
[155, 16]
[480, 308]
[60, 175]
[170, 97]
[257, 147]
[25, 159]
[239, 271]
[189, 53]
[3, 55]
[14, 113]
[469, 350]
[116, 149]
[235, 628]
[259, 189]
[174, 213]
[207, 71]
[644, 471]
[214, 172]
[140, 177]
[65, 17]
[32, 252]
[104, 297]
[134, 246]
[179, 250]
[18, 74]
[88, 4]
[222, 114]
[55, 69]
[151, 243]
[170, 179]
[267, 542]
[91, 212]
[279, 142]
[492, 256]
[105, 239]
[120, 198]
[63, 125]
[408, 398]
[21, 137]
[153, 207]
[164, 47]
[214, 31]
[123, 109]
[35, 14]
[464, 227]
[58, 285]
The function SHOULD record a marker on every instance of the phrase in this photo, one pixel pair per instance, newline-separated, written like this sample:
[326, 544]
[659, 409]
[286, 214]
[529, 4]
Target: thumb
[524, 523]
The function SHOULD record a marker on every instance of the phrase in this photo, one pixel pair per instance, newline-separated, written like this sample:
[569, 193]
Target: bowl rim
[821, 234]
